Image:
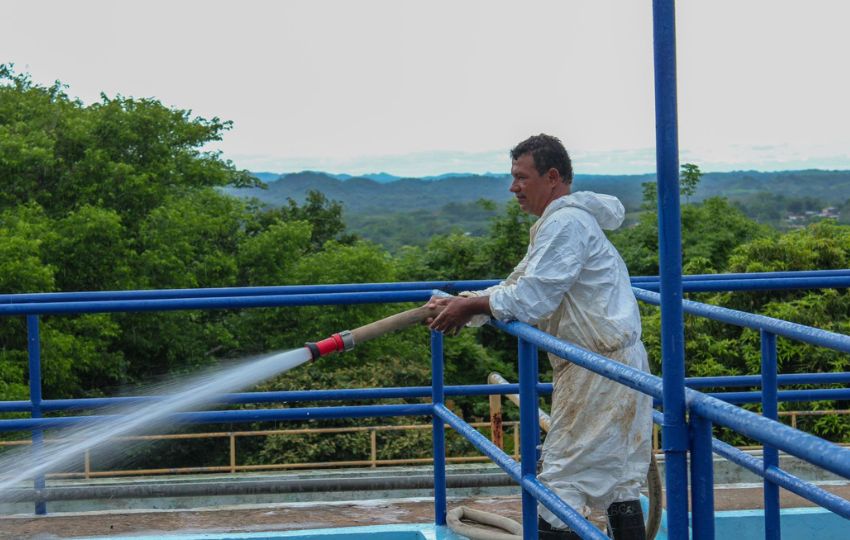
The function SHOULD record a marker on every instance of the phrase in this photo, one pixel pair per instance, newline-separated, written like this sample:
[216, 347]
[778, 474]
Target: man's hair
[548, 152]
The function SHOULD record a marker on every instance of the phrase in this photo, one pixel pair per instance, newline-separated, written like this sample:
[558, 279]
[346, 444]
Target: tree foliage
[120, 195]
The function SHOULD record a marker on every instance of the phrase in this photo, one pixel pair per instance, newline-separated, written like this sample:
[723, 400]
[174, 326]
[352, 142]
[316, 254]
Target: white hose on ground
[456, 516]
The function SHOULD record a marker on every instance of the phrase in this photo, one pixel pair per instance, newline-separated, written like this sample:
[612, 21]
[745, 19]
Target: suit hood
[606, 209]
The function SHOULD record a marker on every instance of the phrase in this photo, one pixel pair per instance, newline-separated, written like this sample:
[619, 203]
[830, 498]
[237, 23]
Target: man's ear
[553, 176]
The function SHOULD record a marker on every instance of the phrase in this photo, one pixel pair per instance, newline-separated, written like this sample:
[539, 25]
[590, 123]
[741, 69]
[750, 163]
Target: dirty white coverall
[573, 284]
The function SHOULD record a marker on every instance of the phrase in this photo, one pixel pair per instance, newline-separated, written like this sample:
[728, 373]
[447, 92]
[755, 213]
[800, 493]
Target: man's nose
[514, 187]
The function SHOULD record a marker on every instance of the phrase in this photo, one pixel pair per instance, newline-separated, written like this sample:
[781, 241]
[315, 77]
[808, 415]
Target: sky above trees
[429, 87]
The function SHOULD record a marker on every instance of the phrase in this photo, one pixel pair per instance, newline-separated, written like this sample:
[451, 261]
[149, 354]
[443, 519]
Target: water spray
[16, 467]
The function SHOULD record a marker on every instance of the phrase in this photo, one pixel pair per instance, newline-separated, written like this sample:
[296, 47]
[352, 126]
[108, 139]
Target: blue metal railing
[674, 427]
[705, 410]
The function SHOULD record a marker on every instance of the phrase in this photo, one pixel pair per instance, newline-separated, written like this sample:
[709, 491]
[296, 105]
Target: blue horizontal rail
[814, 449]
[752, 275]
[782, 478]
[771, 284]
[358, 394]
[230, 292]
[827, 394]
[627, 375]
[232, 302]
[222, 417]
[730, 381]
[292, 396]
[692, 283]
[809, 447]
[806, 334]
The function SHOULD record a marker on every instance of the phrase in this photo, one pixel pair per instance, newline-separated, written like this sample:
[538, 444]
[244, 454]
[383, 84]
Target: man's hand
[455, 312]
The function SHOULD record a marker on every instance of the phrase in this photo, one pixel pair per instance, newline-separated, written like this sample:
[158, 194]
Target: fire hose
[347, 339]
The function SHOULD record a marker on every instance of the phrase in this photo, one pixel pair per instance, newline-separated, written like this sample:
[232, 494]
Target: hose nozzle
[343, 341]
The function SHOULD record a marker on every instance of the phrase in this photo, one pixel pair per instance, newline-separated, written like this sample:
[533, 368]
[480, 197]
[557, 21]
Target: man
[573, 284]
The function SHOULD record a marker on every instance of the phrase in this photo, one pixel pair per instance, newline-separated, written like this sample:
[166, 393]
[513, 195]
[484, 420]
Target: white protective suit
[573, 284]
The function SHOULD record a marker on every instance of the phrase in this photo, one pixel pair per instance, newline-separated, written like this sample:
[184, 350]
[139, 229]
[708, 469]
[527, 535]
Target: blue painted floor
[377, 532]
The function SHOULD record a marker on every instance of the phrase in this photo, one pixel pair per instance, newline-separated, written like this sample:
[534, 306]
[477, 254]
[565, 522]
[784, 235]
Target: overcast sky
[429, 87]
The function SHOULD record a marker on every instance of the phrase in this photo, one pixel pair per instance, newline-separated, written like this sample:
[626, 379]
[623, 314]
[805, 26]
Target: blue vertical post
[702, 479]
[769, 407]
[674, 430]
[34, 351]
[438, 429]
[529, 432]
[536, 378]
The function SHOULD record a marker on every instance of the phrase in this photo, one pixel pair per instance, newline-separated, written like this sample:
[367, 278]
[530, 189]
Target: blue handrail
[691, 283]
[799, 332]
[705, 410]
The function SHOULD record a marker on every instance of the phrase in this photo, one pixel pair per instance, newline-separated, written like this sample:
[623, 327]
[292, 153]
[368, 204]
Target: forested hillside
[384, 211]
[119, 195]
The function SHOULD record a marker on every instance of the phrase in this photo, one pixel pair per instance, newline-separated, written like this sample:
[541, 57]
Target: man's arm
[456, 312]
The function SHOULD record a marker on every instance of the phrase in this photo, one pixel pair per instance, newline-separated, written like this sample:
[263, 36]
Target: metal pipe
[448, 286]
[829, 394]
[702, 479]
[751, 275]
[478, 440]
[254, 487]
[544, 420]
[223, 292]
[116, 306]
[809, 447]
[425, 391]
[462, 390]
[528, 419]
[805, 489]
[352, 394]
[543, 494]
[786, 480]
[807, 334]
[34, 354]
[769, 408]
[438, 429]
[223, 417]
[554, 503]
[629, 376]
[775, 284]
[814, 449]
[755, 380]
[674, 428]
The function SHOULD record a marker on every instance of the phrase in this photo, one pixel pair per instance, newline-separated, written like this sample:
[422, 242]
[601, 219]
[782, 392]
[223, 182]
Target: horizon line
[491, 173]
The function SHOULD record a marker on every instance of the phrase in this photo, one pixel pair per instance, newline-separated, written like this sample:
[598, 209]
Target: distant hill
[381, 177]
[362, 195]
[409, 211]
[266, 176]
[366, 195]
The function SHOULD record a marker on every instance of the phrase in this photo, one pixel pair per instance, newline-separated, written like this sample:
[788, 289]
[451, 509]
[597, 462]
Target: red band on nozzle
[326, 346]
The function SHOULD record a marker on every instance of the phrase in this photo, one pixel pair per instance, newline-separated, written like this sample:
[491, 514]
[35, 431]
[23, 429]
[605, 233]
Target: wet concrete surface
[312, 515]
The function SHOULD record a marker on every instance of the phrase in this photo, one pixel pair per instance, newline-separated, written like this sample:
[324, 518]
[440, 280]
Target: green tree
[710, 231]
[91, 249]
[324, 216]
[689, 180]
[122, 154]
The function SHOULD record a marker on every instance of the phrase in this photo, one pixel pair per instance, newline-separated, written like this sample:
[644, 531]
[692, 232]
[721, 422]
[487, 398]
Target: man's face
[533, 191]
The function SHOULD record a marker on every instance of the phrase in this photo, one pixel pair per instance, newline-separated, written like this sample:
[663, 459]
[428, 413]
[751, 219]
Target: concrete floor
[311, 515]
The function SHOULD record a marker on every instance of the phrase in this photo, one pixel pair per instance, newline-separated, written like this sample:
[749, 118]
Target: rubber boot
[626, 521]
[546, 532]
